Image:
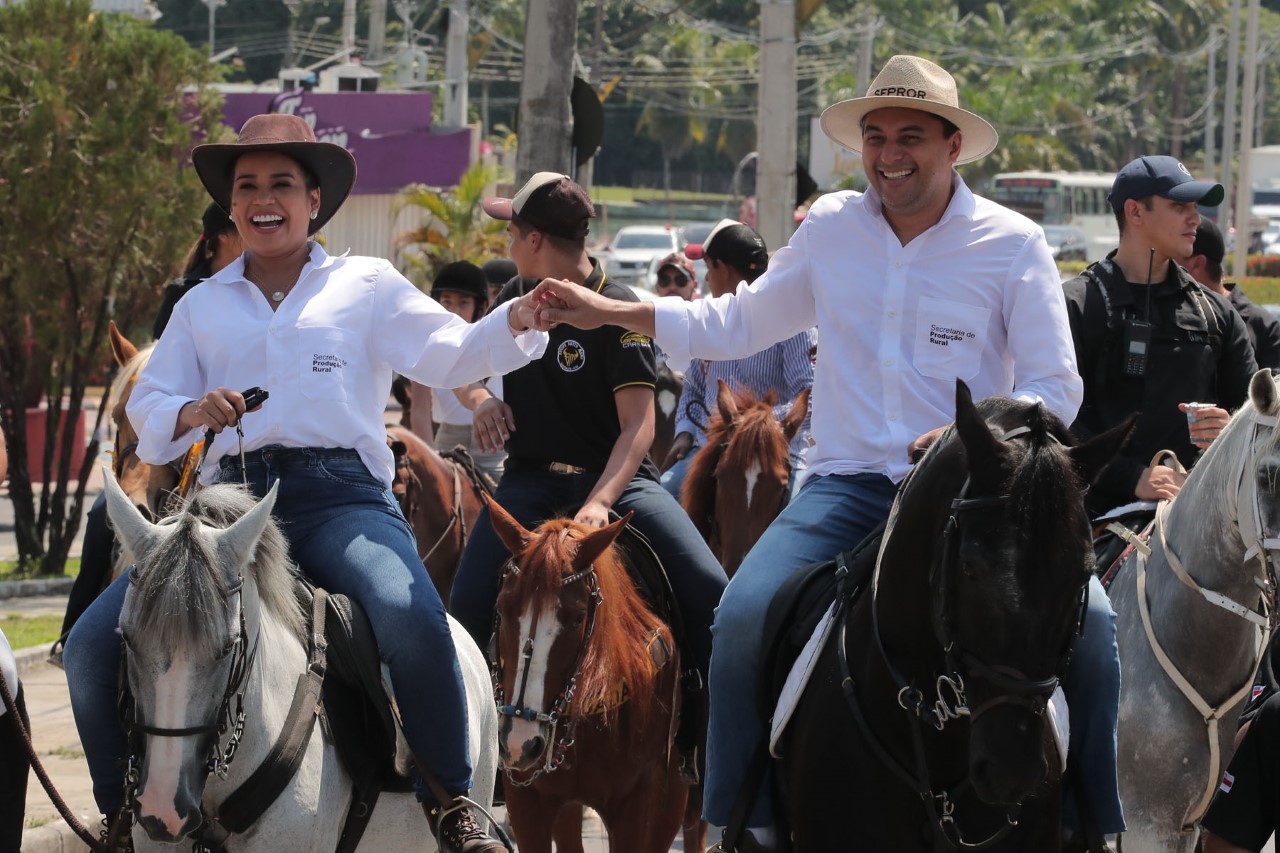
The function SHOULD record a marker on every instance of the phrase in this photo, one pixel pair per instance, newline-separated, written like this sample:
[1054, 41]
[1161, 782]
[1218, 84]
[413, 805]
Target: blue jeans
[831, 514]
[347, 534]
[531, 497]
[1092, 685]
[673, 477]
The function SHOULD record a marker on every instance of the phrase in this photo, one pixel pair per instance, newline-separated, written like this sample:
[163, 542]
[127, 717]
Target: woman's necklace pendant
[278, 296]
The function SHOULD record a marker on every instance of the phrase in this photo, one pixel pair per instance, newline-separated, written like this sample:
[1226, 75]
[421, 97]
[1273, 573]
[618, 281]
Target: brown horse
[151, 488]
[441, 498]
[740, 478]
[587, 684]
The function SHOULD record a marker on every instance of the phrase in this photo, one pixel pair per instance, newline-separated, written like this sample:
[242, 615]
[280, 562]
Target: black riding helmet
[466, 278]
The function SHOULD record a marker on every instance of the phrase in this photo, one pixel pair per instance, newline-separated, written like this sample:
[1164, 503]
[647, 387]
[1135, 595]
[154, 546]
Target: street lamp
[213, 5]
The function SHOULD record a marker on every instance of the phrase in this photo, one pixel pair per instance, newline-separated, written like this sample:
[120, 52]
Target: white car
[633, 248]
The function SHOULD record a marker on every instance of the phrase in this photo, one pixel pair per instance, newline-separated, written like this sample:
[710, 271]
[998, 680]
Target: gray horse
[1191, 625]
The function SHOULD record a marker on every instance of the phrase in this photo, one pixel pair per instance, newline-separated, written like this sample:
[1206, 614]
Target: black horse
[924, 725]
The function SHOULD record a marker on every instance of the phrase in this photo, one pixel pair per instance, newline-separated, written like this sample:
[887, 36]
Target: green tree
[95, 211]
[454, 227]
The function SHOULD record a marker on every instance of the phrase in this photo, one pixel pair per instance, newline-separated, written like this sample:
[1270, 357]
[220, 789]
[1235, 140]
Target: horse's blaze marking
[164, 754]
[667, 402]
[752, 476]
[543, 627]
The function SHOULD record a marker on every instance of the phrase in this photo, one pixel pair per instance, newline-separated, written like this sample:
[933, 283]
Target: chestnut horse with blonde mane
[150, 488]
[740, 479]
[588, 692]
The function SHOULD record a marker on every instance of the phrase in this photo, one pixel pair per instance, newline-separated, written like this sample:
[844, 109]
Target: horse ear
[1262, 391]
[121, 346]
[510, 531]
[795, 416]
[595, 543]
[236, 544]
[136, 533]
[986, 453]
[1090, 458]
[727, 405]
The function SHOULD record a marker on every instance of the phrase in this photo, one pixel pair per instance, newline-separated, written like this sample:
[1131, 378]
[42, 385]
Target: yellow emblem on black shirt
[571, 356]
[634, 339]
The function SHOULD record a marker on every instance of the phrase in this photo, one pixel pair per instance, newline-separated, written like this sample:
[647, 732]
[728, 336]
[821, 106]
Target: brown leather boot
[457, 831]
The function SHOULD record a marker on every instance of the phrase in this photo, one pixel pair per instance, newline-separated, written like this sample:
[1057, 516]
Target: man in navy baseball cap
[1163, 176]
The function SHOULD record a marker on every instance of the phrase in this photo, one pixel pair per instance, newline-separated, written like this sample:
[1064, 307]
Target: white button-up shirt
[975, 297]
[325, 355]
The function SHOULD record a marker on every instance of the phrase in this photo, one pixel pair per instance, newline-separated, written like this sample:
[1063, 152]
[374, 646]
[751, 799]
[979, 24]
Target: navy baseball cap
[1165, 177]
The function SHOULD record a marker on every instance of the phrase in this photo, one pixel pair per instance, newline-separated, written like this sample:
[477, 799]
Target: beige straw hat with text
[915, 84]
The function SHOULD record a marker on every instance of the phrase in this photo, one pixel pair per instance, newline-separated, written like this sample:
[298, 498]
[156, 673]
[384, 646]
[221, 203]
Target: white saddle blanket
[798, 678]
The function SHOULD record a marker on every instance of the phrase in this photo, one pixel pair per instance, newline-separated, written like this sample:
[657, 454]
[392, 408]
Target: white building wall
[364, 226]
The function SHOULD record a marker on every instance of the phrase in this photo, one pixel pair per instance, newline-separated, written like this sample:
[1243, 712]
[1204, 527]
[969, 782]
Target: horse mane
[184, 593]
[756, 438]
[125, 377]
[615, 654]
[1042, 484]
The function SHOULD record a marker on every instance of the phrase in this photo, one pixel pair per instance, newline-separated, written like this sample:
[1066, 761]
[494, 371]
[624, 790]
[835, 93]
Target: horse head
[741, 479]
[190, 623]
[998, 514]
[148, 486]
[560, 649]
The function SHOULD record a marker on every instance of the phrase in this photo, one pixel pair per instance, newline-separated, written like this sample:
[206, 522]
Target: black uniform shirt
[563, 403]
[1264, 328]
[1199, 352]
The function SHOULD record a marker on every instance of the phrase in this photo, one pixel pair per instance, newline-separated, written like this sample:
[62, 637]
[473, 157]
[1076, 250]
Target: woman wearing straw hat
[322, 334]
[877, 272]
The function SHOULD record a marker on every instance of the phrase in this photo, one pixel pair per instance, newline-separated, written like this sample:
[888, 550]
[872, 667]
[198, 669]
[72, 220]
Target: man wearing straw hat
[877, 272]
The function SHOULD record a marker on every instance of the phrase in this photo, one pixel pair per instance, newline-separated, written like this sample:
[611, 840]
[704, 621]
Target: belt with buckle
[565, 468]
[518, 465]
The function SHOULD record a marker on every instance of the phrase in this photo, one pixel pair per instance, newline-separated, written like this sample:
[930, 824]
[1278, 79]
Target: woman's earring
[314, 214]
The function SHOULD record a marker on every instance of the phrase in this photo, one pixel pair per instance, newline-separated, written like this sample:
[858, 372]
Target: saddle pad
[801, 670]
[1060, 719]
[798, 678]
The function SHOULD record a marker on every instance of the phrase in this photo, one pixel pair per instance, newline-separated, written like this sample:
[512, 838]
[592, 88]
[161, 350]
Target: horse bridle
[558, 747]
[178, 466]
[1015, 686]
[219, 758]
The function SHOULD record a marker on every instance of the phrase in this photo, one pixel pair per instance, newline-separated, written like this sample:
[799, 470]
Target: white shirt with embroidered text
[976, 297]
[326, 356]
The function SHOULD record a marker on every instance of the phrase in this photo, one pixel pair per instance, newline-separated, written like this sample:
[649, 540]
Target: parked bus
[1077, 199]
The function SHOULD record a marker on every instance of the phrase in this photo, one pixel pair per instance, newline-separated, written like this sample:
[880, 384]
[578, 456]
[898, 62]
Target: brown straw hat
[332, 165]
[915, 84]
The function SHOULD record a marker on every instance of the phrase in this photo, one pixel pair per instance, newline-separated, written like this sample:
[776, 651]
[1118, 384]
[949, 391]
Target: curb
[31, 657]
[35, 586]
[55, 837]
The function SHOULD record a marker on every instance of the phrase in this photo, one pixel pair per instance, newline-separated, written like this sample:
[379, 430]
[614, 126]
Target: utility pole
[776, 168]
[213, 5]
[546, 119]
[455, 65]
[1244, 190]
[348, 25]
[377, 28]
[587, 171]
[1229, 129]
[1211, 113]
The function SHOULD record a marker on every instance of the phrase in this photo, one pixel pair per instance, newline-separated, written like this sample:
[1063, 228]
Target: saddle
[799, 605]
[356, 714]
[1125, 528]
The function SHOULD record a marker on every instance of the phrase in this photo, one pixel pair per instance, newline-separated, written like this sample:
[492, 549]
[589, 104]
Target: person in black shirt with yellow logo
[577, 425]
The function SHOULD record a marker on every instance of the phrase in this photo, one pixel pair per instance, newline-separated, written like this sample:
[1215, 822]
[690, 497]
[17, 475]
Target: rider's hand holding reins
[680, 448]
[216, 410]
[1159, 483]
[916, 449]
